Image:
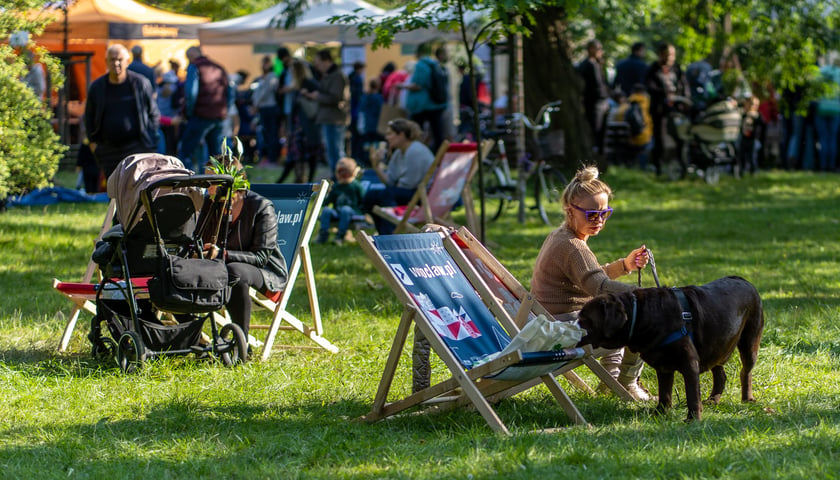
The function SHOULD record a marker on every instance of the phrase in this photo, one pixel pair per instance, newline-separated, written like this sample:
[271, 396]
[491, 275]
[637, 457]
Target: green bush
[29, 147]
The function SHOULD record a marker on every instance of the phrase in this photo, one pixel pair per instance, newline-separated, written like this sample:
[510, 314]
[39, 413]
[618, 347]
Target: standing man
[632, 70]
[137, 65]
[333, 106]
[357, 89]
[427, 98]
[664, 81]
[121, 115]
[285, 92]
[595, 93]
[208, 96]
[264, 102]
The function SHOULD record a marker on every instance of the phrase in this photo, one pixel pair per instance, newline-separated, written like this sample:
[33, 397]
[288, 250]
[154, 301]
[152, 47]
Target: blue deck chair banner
[444, 295]
[291, 201]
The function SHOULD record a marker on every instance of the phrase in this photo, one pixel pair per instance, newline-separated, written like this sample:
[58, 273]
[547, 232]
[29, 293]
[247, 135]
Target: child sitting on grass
[343, 201]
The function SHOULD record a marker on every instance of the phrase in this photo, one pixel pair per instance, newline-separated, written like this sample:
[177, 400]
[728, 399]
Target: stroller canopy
[135, 173]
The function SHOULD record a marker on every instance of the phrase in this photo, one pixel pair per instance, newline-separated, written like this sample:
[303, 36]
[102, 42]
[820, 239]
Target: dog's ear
[613, 317]
[590, 318]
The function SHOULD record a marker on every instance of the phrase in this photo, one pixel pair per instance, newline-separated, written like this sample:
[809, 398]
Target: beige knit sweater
[567, 274]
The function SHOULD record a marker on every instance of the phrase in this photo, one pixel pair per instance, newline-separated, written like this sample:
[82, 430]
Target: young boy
[345, 200]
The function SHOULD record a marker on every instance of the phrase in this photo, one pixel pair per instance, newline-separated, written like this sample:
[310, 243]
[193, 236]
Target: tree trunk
[549, 76]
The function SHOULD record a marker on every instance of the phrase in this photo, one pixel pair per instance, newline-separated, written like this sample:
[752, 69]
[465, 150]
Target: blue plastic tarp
[53, 195]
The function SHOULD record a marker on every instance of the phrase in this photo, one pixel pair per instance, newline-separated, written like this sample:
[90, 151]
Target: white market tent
[313, 26]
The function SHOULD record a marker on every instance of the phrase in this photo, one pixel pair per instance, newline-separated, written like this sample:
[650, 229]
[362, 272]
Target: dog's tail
[748, 343]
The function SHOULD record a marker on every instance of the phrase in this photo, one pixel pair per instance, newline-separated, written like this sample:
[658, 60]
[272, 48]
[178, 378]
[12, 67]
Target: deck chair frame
[510, 296]
[420, 199]
[300, 259]
[470, 387]
[82, 300]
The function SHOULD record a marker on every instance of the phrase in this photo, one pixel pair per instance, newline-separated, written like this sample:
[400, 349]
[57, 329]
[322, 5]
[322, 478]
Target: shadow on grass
[223, 438]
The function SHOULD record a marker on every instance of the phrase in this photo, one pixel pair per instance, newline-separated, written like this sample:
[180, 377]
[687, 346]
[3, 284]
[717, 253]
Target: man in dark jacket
[632, 70]
[333, 106]
[137, 65]
[664, 81]
[595, 92]
[208, 96]
[121, 115]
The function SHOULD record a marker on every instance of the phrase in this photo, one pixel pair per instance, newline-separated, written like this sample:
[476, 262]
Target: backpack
[635, 119]
[438, 83]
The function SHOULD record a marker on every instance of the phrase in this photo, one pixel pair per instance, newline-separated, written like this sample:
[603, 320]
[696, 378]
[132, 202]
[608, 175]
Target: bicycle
[501, 190]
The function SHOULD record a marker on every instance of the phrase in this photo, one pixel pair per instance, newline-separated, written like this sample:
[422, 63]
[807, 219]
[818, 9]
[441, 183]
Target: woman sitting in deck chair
[567, 274]
[253, 256]
[408, 163]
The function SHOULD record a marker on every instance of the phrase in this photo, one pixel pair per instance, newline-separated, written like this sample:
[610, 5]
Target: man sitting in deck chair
[465, 327]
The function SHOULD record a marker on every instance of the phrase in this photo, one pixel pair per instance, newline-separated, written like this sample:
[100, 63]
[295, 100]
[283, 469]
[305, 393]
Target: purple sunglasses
[594, 215]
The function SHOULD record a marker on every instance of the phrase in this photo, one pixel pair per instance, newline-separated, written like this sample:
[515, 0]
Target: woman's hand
[377, 155]
[211, 251]
[637, 259]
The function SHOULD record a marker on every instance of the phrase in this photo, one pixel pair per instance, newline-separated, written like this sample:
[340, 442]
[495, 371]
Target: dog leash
[652, 263]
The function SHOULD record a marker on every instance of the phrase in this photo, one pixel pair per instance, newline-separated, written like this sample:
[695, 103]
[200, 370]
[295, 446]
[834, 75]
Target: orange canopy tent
[93, 25]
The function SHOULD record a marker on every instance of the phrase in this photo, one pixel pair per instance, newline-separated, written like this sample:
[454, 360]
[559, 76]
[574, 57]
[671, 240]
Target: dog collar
[633, 318]
[687, 317]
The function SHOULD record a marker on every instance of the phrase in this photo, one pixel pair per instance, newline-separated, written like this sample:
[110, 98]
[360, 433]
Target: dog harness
[687, 317]
[633, 318]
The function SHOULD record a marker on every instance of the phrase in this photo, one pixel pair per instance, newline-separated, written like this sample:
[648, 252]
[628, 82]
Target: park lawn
[69, 416]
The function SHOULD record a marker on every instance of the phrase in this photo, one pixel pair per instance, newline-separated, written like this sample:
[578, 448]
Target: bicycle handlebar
[544, 115]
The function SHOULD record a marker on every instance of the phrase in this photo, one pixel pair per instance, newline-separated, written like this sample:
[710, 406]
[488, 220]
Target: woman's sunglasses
[594, 215]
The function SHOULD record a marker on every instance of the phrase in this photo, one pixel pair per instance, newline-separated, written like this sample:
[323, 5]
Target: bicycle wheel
[548, 188]
[496, 192]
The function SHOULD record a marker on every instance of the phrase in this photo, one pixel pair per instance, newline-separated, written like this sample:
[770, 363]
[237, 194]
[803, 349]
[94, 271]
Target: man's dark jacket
[148, 119]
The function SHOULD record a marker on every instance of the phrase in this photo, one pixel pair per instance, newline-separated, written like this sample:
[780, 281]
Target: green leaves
[30, 149]
[228, 163]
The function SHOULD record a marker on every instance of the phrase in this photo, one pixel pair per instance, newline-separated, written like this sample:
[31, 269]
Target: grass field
[69, 416]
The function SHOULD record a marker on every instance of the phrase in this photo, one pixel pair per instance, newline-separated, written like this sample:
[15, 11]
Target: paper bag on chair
[389, 112]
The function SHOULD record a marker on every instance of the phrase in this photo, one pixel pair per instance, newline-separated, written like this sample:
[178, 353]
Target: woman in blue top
[408, 163]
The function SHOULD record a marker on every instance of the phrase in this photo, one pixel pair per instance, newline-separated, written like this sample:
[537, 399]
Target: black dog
[688, 330]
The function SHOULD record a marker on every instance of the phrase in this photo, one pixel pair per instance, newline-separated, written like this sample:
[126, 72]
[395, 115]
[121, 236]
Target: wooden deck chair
[464, 330]
[447, 179]
[514, 300]
[298, 207]
[82, 294]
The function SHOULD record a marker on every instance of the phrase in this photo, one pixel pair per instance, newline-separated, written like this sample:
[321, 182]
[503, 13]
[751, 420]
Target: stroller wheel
[712, 175]
[674, 171]
[104, 349]
[130, 352]
[232, 345]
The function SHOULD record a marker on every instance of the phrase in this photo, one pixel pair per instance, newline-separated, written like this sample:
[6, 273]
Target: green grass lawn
[69, 416]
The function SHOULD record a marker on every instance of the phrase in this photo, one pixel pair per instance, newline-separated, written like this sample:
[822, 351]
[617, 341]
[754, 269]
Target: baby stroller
[158, 239]
[709, 139]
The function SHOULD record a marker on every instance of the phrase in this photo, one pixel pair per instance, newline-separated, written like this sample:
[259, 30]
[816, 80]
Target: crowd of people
[302, 114]
[298, 115]
[776, 128]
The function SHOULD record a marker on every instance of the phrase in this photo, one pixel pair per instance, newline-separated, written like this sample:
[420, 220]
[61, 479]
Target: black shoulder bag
[188, 285]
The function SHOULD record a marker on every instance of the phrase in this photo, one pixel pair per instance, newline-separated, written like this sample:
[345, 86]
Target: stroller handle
[201, 181]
